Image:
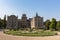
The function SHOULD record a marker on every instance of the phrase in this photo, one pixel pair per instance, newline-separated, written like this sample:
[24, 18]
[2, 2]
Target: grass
[33, 33]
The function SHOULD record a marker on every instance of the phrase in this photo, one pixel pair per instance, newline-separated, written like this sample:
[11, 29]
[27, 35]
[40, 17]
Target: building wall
[33, 23]
[37, 22]
[19, 23]
[12, 22]
[24, 22]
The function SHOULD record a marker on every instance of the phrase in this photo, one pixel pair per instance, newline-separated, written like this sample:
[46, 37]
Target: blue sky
[46, 8]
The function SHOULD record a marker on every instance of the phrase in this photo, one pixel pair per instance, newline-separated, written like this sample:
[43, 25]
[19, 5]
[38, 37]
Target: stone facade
[12, 22]
[24, 21]
[35, 22]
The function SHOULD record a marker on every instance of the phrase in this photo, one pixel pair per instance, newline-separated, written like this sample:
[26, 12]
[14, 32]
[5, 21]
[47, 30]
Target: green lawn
[36, 33]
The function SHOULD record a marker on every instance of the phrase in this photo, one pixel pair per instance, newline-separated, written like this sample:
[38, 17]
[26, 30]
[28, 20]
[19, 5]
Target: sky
[45, 8]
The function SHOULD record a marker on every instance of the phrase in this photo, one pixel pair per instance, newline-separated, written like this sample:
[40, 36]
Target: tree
[58, 25]
[53, 20]
[47, 23]
[53, 24]
[5, 21]
[0, 24]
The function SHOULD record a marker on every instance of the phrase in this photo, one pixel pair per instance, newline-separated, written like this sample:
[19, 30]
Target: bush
[41, 33]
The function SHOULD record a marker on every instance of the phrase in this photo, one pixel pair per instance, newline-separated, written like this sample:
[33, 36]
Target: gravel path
[11, 37]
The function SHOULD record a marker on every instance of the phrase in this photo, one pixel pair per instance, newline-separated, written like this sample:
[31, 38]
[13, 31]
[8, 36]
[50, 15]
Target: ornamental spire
[36, 14]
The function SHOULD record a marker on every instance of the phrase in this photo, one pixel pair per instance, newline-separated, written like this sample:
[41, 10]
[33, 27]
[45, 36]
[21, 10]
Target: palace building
[37, 22]
[13, 22]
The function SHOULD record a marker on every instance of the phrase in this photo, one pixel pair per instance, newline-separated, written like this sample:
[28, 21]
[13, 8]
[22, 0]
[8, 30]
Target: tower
[37, 22]
[24, 18]
[12, 22]
[24, 21]
[36, 14]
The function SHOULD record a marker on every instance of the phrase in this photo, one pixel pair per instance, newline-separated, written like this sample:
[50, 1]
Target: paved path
[11, 37]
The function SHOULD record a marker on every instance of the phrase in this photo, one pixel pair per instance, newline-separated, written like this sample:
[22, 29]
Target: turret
[36, 14]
